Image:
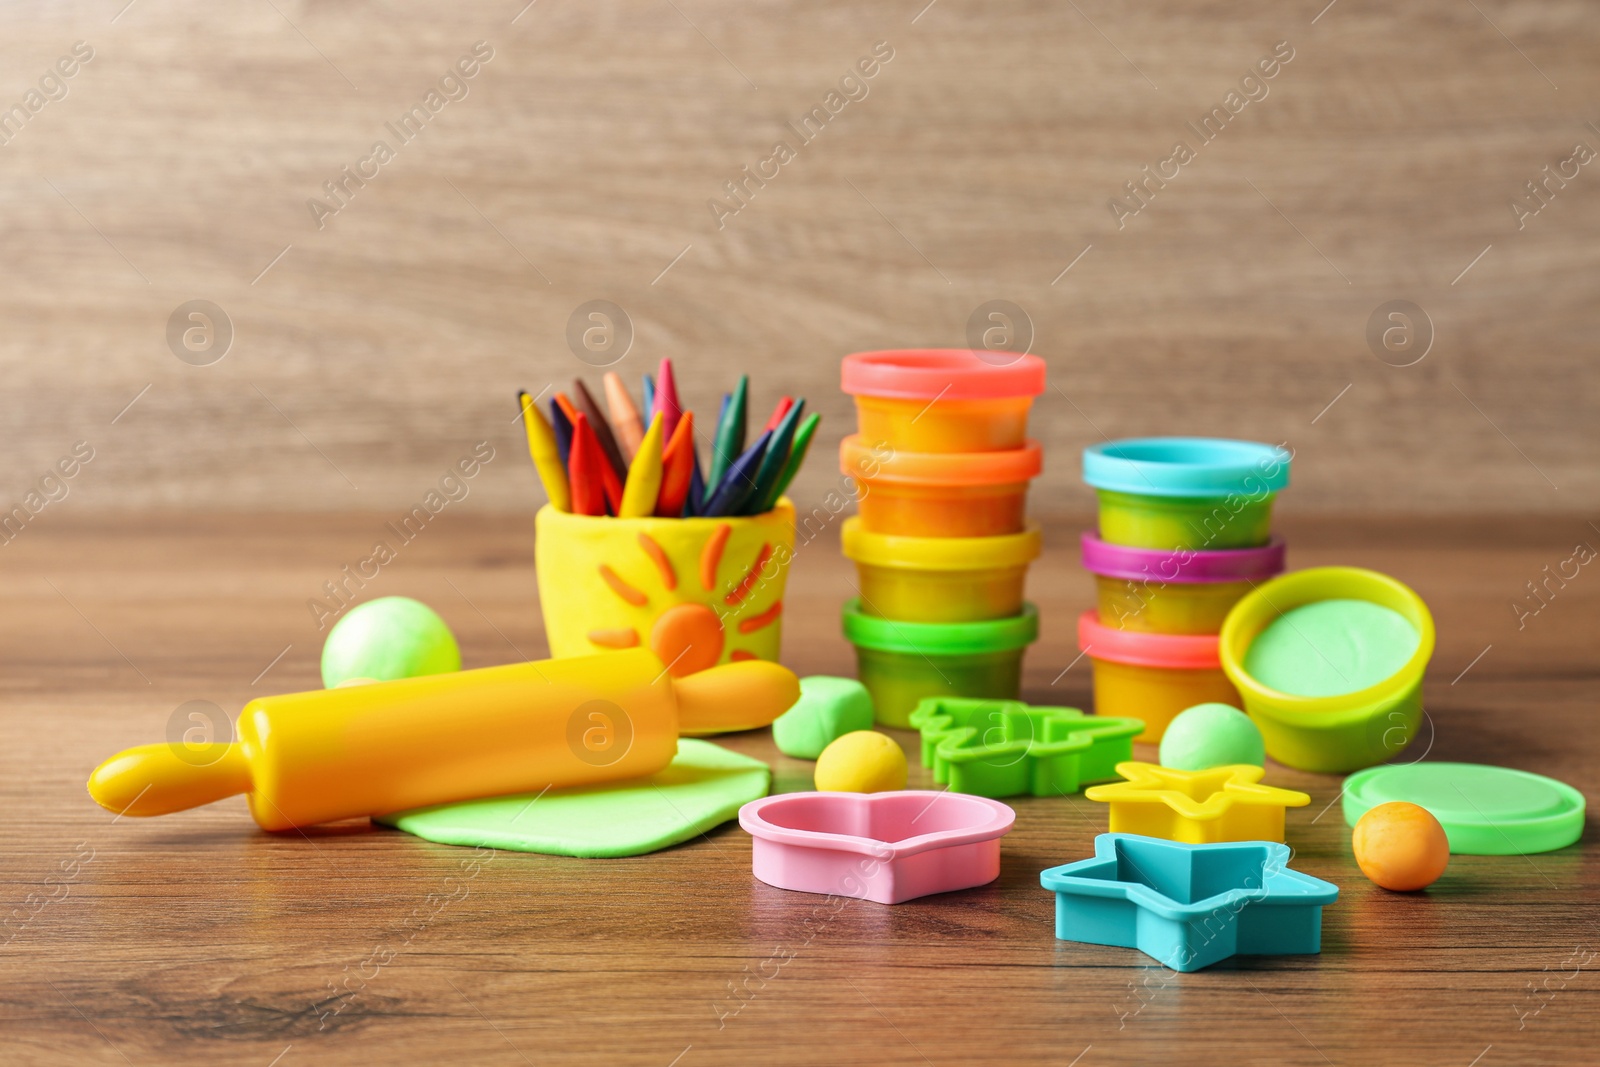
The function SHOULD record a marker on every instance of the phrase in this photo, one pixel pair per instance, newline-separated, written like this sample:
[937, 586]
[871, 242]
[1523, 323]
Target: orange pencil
[568, 408]
[677, 469]
[586, 465]
[778, 413]
[625, 420]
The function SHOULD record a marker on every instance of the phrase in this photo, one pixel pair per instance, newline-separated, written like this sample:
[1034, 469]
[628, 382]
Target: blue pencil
[563, 428]
[697, 489]
[739, 483]
[771, 468]
[649, 400]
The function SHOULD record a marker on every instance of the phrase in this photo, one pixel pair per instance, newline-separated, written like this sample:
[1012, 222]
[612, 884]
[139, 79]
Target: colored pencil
[644, 478]
[584, 468]
[766, 475]
[583, 400]
[697, 488]
[779, 412]
[739, 482]
[568, 408]
[624, 416]
[562, 427]
[546, 456]
[666, 398]
[649, 400]
[677, 467]
[729, 439]
[797, 456]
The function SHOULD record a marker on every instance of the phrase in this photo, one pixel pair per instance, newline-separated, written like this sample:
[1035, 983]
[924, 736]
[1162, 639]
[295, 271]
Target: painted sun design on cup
[696, 592]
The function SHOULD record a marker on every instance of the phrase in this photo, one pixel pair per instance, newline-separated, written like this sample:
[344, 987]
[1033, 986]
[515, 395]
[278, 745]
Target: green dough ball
[1211, 735]
[388, 638]
[828, 708]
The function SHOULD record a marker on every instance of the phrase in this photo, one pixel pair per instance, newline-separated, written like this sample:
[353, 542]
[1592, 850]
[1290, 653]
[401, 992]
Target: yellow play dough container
[1152, 677]
[940, 579]
[696, 592]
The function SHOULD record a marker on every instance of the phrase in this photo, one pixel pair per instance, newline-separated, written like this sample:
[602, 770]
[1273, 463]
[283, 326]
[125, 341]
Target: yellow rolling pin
[308, 758]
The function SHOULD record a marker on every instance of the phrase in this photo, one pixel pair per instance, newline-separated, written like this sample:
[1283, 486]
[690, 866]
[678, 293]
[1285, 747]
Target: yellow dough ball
[861, 762]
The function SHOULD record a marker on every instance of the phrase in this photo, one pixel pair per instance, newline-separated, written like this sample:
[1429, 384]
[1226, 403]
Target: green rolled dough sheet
[703, 787]
[1331, 647]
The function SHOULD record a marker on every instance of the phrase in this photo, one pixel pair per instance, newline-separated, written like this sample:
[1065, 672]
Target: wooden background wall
[371, 353]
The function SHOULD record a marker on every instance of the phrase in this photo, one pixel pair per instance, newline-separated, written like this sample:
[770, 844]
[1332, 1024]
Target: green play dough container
[1359, 693]
[1196, 523]
[902, 663]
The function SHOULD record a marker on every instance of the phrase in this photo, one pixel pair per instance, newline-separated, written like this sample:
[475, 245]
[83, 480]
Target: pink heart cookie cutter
[885, 847]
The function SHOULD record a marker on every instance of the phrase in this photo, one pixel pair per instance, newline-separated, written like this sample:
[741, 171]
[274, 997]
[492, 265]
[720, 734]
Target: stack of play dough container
[941, 466]
[1185, 532]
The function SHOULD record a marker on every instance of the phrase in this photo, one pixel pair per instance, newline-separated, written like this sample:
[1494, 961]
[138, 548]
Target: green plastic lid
[940, 638]
[1485, 811]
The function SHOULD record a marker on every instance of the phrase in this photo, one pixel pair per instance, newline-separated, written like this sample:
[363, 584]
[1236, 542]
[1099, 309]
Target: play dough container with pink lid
[943, 399]
[1329, 662]
[940, 494]
[1174, 591]
[1152, 677]
[1186, 492]
[902, 663]
[940, 579]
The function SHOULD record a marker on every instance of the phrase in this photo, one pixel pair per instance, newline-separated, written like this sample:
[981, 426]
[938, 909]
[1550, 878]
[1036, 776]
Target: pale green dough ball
[1211, 735]
[388, 638]
[828, 708]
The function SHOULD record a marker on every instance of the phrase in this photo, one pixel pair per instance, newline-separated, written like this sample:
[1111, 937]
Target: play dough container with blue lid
[940, 579]
[902, 663]
[1151, 677]
[1186, 492]
[1329, 662]
[1174, 591]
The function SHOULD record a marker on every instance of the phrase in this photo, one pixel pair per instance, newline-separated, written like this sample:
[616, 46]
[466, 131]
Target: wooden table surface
[197, 938]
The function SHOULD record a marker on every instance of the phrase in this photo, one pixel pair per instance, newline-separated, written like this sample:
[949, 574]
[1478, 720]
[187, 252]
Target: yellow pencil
[644, 476]
[624, 416]
[546, 456]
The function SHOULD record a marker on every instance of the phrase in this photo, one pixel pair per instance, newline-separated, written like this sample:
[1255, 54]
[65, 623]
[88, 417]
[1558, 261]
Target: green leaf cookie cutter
[1005, 748]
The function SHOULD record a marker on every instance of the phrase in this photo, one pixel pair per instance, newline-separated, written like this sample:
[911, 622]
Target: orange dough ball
[1400, 846]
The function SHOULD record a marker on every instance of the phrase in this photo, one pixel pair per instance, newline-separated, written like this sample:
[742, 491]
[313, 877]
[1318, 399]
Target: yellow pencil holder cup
[696, 592]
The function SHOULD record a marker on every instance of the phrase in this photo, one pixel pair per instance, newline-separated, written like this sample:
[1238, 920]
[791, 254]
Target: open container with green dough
[1329, 662]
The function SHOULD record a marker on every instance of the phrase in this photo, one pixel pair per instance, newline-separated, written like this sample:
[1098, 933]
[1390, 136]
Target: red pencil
[779, 412]
[677, 468]
[586, 470]
[666, 399]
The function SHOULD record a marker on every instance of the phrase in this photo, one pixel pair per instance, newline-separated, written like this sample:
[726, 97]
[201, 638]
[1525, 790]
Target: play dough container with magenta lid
[940, 494]
[1186, 492]
[901, 663]
[1151, 677]
[940, 579]
[1174, 591]
[943, 399]
[1329, 662]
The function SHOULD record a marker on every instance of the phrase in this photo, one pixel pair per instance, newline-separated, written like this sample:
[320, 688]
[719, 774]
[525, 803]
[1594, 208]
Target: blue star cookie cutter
[1189, 906]
[1005, 748]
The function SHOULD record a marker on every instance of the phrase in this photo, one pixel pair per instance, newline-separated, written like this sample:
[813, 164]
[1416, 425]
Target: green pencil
[772, 464]
[728, 442]
[797, 456]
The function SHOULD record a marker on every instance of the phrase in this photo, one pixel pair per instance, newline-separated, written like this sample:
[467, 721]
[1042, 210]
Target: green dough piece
[386, 639]
[1331, 647]
[828, 709]
[703, 787]
[1211, 735]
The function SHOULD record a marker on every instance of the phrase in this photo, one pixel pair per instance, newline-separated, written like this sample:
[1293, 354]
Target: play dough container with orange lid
[943, 399]
[1175, 591]
[902, 663]
[1186, 492]
[940, 494]
[940, 579]
[1152, 677]
[1329, 662]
